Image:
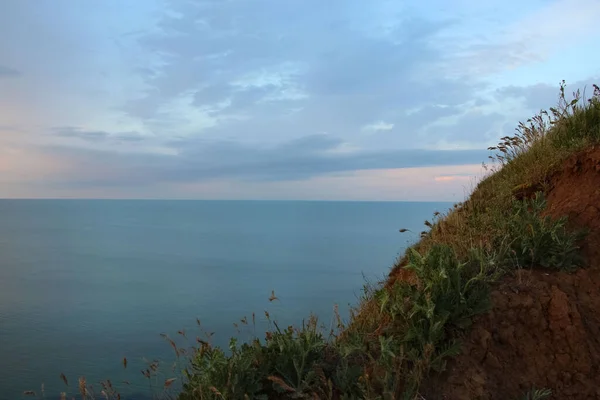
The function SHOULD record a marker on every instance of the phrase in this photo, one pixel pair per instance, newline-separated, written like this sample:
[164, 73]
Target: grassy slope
[408, 327]
[500, 228]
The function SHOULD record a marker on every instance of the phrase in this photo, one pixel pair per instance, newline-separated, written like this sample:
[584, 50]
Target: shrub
[448, 294]
[539, 240]
[290, 362]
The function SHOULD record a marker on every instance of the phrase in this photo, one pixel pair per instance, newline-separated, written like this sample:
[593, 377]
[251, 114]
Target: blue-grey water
[84, 283]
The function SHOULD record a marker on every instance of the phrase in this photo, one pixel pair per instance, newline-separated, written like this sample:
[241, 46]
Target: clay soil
[544, 327]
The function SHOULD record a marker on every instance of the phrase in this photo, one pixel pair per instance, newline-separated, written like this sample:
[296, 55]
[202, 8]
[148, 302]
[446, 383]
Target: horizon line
[216, 200]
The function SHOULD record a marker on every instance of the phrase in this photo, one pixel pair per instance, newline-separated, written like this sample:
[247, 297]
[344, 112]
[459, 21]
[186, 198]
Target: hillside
[543, 328]
[500, 298]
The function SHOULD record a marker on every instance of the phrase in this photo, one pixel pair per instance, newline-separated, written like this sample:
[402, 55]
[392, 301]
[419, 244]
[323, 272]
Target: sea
[85, 284]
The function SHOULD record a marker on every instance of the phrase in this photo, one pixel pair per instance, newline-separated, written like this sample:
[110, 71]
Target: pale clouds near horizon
[264, 99]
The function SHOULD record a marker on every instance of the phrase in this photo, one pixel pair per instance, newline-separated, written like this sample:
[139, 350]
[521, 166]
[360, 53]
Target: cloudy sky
[275, 99]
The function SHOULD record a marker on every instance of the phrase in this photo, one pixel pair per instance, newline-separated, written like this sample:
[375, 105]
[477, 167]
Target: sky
[276, 99]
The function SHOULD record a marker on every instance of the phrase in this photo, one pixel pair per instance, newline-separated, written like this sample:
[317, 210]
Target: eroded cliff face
[544, 327]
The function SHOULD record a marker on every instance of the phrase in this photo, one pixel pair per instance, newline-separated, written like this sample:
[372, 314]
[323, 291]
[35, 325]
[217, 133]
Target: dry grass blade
[83, 387]
[154, 366]
[169, 381]
[281, 383]
[173, 345]
[216, 391]
[124, 362]
[202, 342]
[273, 297]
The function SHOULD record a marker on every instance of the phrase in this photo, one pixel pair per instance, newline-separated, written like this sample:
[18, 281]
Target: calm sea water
[85, 283]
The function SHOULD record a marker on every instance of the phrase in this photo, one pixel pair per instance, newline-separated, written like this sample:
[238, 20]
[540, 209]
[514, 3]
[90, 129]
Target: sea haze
[84, 283]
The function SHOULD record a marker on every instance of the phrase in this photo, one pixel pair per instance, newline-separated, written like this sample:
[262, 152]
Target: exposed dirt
[576, 193]
[543, 331]
[544, 327]
[398, 273]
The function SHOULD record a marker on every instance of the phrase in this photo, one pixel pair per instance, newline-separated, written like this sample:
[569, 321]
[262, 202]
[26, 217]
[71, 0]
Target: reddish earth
[544, 327]
[543, 331]
[576, 193]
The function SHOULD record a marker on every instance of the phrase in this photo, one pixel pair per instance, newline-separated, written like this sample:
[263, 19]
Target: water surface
[84, 283]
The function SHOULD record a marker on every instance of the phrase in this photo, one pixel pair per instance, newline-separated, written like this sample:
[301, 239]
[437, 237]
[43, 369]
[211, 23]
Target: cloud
[452, 178]
[509, 36]
[192, 161]
[378, 126]
[475, 128]
[8, 72]
[418, 184]
[191, 93]
[244, 69]
[95, 135]
[543, 96]
[72, 132]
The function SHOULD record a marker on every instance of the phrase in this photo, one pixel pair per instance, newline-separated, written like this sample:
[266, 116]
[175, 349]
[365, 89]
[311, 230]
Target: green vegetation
[403, 331]
[407, 328]
[538, 394]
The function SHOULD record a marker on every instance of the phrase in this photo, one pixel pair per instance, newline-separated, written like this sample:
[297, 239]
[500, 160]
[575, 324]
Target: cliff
[500, 299]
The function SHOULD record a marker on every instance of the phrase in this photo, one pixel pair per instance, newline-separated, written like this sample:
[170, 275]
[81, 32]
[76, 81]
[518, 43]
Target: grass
[406, 328]
[537, 394]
